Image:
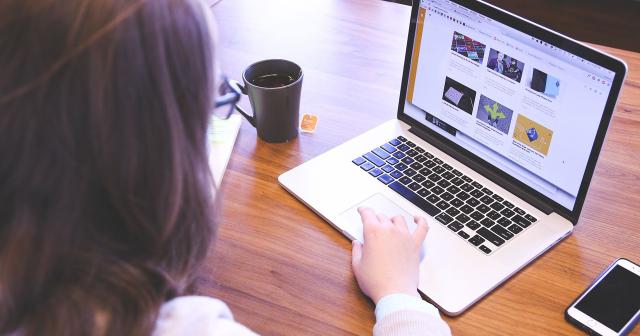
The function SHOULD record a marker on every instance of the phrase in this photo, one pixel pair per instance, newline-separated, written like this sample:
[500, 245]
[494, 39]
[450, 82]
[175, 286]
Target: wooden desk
[284, 271]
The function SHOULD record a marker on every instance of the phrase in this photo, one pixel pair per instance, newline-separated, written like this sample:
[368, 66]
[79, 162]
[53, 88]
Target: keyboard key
[507, 213]
[448, 175]
[413, 198]
[508, 204]
[405, 180]
[409, 172]
[442, 205]
[463, 234]
[389, 148]
[404, 147]
[446, 196]
[374, 159]
[463, 195]
[476, 240]
[433, 199]
[420, 158]
[381, 153]
[425, 171]
[497, 198]
[386, 179]
[388, 169]
[437, 190]
[444, 218]
[455, 226]
[444, 183]
[487, 222]
[396, 174]
[467, 209]
[438, 161]
[466, 187]
[473, 202]
[359, 160]
[446, 166]
[395, 142]
[429, 164]
[521, 221]
[496, 206]
[466, 178]
[487, 191]
[483, 208]
[415, 166]
[401, 138]
[401, 166]
[457, 181]
[462, 218]
[504, 222]
[493, 215]
[453, 189]
[435, 177]
[456, 172]
[530, 218]
[367, 166]
[419, 150]
[407, 160]
[414, 186]
[452, 212]
[490, 236]
[473, 225]
[410, 144]
[476, 193]
[485, 249]
[456, 202]
[399, 155]
[419, 178]
[477, 185]
[477, 216]
[438, 170]
[486, 199]
[392, 160]
[429, 155]
[515, 229]
[424, 192]
[428, 184]
[375, 172]
[519, 211]
[502, 232]
[411, 152]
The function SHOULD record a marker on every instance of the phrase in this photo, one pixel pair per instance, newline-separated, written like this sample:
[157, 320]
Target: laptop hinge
[482, 170]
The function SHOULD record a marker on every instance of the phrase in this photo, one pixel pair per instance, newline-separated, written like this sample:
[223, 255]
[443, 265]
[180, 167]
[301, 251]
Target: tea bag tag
[309, 123]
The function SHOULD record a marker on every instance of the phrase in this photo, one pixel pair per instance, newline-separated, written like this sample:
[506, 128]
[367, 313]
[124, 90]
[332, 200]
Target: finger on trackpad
[381, 205]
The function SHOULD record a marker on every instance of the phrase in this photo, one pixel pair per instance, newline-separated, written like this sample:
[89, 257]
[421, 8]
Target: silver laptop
[496, 139]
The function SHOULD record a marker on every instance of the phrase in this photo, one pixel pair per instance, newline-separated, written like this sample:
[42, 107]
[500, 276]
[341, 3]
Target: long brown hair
[105, 199]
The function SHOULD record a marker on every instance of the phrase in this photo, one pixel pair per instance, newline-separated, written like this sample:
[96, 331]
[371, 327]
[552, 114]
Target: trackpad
[352, 224]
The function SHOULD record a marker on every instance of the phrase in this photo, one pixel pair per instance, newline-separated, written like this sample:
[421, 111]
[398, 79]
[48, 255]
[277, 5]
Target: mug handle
[240, 88]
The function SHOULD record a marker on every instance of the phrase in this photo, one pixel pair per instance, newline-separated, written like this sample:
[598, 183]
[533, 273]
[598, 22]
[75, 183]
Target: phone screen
[615, 300]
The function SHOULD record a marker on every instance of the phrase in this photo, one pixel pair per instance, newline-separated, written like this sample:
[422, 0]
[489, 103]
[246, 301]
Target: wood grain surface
[285, 271]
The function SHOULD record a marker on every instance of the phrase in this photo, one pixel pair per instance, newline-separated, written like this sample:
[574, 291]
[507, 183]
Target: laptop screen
[523, 105]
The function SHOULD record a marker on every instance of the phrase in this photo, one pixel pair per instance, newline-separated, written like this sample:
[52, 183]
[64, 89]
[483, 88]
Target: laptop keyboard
[475, 213]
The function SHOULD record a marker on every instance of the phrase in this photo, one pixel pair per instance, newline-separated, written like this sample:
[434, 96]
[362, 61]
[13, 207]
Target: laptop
[497, 134]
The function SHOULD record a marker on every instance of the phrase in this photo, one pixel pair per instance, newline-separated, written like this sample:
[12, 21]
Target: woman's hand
[387, 262]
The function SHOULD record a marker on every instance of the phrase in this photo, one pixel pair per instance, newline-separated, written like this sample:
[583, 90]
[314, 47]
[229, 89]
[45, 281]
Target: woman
[105, 198]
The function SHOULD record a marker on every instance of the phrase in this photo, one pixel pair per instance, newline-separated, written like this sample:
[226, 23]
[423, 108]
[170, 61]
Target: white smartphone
[611, 305]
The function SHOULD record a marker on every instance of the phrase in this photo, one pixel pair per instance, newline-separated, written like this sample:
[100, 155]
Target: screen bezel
[575, 315]
[498, 176]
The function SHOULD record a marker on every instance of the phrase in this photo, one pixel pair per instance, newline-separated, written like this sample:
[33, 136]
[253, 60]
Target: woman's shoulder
[197, 315]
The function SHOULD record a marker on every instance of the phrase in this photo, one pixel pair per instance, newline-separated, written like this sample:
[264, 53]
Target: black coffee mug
[274, 88]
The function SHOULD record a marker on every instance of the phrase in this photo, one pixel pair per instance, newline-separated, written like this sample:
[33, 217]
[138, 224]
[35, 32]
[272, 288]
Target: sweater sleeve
[197, 315]
[404, 315]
